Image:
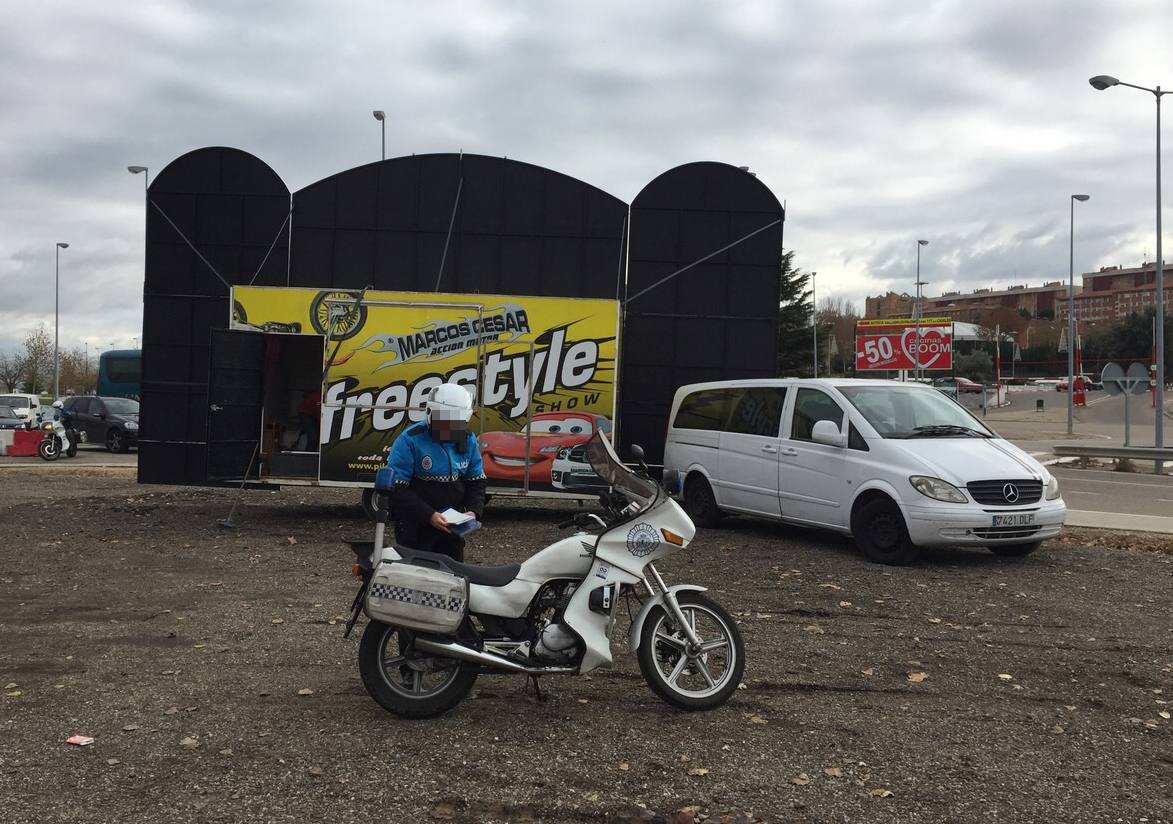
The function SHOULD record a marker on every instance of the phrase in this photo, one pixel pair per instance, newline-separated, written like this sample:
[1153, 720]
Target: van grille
[1006, 532]
[1006, 492]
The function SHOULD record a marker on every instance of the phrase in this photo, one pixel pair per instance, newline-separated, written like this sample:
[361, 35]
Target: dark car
[10, 420]
[109, 421]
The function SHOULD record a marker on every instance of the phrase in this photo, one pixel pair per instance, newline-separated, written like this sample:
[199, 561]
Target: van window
[707, 408]
[810, 407]
[759, 412]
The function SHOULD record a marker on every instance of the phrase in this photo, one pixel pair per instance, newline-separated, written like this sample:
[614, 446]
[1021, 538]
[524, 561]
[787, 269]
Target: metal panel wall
[214, 215]
[718, 318]
[465, 223]
[515, 229]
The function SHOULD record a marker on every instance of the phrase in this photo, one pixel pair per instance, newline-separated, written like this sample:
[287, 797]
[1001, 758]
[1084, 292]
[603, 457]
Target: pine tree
[794, 320]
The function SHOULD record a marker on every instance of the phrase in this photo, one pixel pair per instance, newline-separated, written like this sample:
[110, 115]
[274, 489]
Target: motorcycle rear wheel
[49, 449]
[406, 683]
[701, 679]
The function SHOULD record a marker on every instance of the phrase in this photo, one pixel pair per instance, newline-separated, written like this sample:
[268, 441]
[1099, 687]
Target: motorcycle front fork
[673, 605]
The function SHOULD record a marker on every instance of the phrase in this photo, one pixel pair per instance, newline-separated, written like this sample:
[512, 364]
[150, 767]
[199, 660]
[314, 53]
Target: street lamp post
[916, 371]
[381, 116]
[1101, 82]
[57, 321]
[1071, 318]
[814, 328]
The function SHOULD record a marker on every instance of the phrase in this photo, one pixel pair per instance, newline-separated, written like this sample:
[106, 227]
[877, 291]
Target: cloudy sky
[967, 124]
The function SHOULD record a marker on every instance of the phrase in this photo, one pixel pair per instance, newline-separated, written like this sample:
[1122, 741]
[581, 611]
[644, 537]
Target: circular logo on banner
[642, 539]
[426, 463]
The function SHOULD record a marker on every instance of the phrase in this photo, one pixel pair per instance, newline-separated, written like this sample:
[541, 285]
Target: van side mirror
[826, 432]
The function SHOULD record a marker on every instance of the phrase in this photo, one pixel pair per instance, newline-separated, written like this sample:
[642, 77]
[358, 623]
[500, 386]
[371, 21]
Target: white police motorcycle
[56, 437]
[436, 624]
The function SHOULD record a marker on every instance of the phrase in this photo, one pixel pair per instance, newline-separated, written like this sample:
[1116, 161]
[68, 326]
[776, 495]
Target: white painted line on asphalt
[1097, 481]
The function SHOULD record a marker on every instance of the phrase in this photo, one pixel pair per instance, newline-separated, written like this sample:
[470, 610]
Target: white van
[27, 407]
[898, 466]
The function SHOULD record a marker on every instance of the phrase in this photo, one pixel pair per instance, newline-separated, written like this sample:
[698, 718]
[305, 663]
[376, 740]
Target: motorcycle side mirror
[638, 453]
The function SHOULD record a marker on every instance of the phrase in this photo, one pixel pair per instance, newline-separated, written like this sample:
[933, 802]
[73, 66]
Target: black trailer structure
[694, 261]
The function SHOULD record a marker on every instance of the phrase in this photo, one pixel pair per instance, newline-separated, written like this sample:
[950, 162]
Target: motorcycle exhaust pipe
[451, 649]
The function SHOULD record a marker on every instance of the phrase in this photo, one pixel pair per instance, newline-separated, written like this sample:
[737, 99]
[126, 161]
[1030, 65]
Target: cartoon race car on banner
[505, 454]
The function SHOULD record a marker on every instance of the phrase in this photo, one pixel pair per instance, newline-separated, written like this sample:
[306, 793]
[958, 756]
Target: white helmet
[450, 402]
[58, 405]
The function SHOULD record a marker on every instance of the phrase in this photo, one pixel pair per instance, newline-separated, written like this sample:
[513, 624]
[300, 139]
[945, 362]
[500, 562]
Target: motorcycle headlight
[48, 427]
[937, 489]
[1052, 488]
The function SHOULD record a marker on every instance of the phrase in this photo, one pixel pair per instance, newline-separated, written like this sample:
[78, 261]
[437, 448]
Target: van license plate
[1015, 519]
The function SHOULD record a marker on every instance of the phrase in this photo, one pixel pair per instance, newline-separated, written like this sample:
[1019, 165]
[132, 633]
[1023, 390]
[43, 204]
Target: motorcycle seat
[489, 576]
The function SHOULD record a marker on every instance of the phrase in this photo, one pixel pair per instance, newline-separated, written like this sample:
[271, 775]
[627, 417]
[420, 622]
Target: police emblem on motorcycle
[426, 463]
[642, 539]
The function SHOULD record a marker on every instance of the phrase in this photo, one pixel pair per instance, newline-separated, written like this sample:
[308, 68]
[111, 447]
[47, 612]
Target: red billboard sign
[894, 346]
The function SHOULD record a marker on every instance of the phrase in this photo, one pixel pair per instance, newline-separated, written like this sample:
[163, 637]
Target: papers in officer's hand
[460, 523]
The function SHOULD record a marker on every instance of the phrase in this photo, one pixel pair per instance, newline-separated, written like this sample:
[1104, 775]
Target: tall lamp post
[1101, 82]
[814, 328]
[1071, 318]
[381, 116]
[916, 372]
[57, 321]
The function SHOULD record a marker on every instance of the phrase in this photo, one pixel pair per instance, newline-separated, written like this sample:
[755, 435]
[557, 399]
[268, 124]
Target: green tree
[794, 319]
[11, 370]
[977, 366]
[38, 360]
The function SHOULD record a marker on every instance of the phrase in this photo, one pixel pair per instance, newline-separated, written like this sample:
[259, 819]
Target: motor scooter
[437, 624]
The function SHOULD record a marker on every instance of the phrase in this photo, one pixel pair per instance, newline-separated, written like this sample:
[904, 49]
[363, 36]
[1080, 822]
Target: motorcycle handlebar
[569, 523]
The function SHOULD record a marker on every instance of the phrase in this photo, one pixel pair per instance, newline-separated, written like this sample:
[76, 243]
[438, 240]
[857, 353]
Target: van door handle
[769, 448]
[790, 452]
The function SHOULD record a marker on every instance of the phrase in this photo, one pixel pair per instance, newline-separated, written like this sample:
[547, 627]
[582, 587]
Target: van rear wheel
[881, 534]
[699, 502]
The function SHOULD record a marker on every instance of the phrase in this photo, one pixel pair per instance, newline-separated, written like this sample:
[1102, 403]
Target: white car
[899, 466]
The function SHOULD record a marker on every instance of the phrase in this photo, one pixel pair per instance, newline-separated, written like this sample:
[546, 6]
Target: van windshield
[914, 412]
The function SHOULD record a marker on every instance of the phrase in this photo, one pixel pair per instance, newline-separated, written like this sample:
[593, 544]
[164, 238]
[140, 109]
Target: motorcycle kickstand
[537, 689]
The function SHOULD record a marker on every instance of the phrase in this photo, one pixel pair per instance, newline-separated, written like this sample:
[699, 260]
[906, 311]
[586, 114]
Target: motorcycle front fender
[637, 626]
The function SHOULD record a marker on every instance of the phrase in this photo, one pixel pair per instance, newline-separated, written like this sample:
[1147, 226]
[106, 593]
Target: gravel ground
[208, 665]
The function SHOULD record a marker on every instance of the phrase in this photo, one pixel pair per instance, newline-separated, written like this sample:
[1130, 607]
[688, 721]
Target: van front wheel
[700, 504]
[881, 535]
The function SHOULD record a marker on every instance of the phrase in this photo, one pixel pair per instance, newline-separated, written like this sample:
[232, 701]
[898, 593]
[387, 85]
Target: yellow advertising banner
[547, 361]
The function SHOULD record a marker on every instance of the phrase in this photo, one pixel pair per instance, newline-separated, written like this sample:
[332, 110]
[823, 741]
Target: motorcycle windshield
[611, 470]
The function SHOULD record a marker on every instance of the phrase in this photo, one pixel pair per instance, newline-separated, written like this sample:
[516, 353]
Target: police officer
[437, 466]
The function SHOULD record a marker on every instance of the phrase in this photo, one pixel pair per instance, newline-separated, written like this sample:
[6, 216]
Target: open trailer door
[234, 404]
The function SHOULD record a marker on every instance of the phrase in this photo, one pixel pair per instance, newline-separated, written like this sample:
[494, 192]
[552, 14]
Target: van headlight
[937, 489]
[1052, 488]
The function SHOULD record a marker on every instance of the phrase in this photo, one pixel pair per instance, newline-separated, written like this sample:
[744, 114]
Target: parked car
[1089, 383]
[9, 419]
[572, 472]
[896, 465]
[958, 384]
[505, 454]
[27, 407]
[109, 421]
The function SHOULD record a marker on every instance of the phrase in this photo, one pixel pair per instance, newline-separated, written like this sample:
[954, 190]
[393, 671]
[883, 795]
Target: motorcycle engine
[556, 645]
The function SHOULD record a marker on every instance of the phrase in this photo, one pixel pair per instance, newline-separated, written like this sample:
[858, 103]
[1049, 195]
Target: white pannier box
[419, 598]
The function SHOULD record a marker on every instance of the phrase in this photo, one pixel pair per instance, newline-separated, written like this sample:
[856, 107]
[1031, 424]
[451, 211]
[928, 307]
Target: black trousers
[426, 538]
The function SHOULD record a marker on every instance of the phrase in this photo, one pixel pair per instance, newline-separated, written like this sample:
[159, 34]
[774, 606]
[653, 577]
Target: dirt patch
[966, 688]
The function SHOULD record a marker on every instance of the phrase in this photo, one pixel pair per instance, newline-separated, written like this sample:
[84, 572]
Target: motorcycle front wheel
[692, 678]
[49, 449]
[405, 682]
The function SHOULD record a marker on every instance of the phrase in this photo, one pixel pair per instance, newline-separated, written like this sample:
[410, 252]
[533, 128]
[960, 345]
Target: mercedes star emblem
[1010, 493]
